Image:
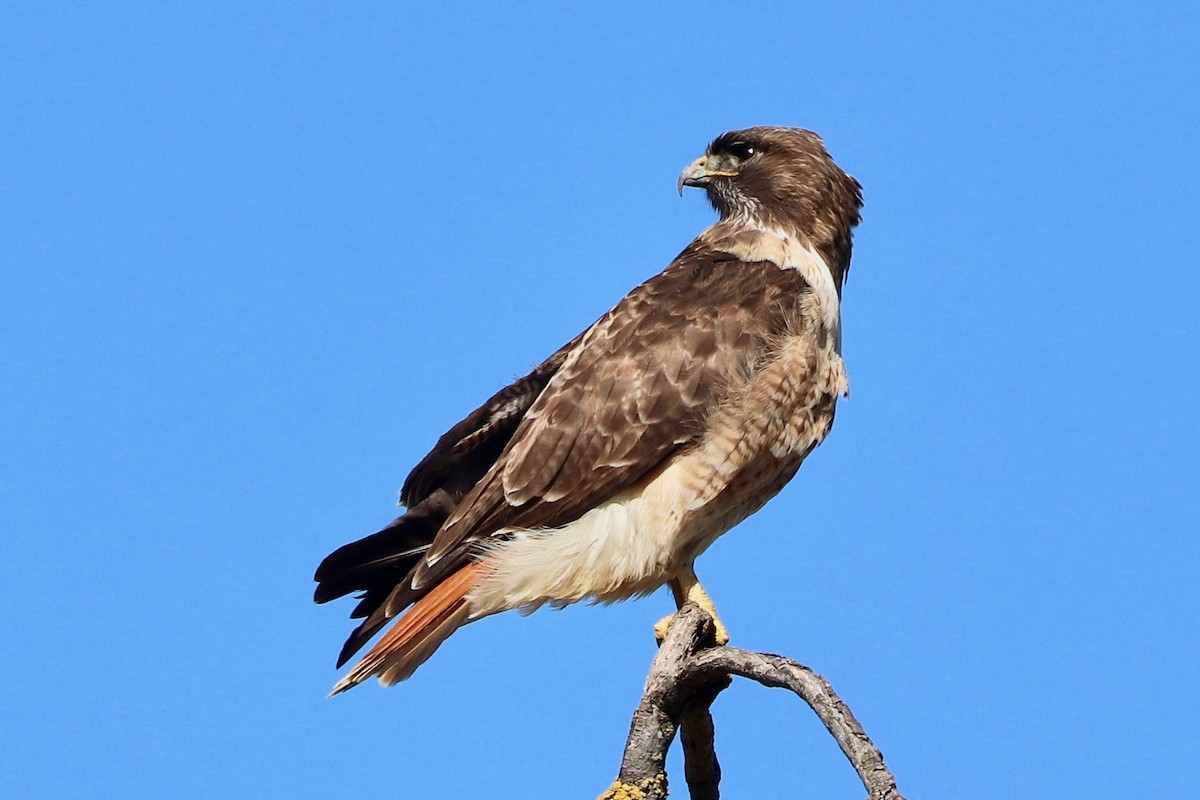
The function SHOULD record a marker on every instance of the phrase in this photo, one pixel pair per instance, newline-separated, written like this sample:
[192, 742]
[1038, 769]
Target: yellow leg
[686, 588]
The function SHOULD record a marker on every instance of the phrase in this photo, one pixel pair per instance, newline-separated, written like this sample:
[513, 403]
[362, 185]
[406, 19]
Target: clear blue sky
[255, 258]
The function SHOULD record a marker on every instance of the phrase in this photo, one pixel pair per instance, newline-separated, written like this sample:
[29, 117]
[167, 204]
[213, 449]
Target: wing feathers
[375, 563]
[465, 452]
[635, 387]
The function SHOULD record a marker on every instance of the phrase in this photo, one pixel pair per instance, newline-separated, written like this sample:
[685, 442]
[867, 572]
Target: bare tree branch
[643, 773]
[696, 734]
[777, 671]
[687, 674]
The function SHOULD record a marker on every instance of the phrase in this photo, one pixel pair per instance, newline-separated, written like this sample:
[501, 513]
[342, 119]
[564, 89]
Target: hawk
[605, 472]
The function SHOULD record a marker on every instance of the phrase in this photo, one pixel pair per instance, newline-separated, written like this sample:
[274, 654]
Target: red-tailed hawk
[605, 472]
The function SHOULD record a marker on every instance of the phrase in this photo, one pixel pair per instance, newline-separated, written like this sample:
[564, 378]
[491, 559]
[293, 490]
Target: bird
[604, 472]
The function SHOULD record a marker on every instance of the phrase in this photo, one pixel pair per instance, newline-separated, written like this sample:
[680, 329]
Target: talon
[720, 633]
[660, 627]
[686, 587]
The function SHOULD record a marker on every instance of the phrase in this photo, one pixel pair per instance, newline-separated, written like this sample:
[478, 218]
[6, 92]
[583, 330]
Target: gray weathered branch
[687, 674]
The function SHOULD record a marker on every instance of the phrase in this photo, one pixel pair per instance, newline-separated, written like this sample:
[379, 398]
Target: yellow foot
[720, 633]
[660, 627]
[686, 588]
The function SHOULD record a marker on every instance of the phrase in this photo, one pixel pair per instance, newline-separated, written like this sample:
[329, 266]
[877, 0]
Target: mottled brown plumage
[612, 465]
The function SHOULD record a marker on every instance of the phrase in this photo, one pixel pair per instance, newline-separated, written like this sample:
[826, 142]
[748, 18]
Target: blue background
[257, 257]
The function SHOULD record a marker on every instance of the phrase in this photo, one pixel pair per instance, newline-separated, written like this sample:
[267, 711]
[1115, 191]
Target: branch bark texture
[687, 674]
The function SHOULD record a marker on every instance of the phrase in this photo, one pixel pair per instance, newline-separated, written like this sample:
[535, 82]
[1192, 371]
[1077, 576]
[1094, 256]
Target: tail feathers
[381, 610]
[418, 633]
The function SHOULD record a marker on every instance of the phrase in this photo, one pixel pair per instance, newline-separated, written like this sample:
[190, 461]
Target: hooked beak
[698, 174]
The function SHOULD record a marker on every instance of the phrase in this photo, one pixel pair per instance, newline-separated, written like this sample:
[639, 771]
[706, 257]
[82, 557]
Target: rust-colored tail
[417, 633]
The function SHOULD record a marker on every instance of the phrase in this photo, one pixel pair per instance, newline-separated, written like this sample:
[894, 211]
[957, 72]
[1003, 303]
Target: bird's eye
[741, 150]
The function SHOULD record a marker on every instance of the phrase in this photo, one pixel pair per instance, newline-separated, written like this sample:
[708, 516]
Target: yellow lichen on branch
[650, 787]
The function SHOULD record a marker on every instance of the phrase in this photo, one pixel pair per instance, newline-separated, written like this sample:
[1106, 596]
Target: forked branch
[687, 674]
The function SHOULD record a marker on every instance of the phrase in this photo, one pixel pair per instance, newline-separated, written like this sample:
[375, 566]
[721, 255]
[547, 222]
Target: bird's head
[779, 177]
